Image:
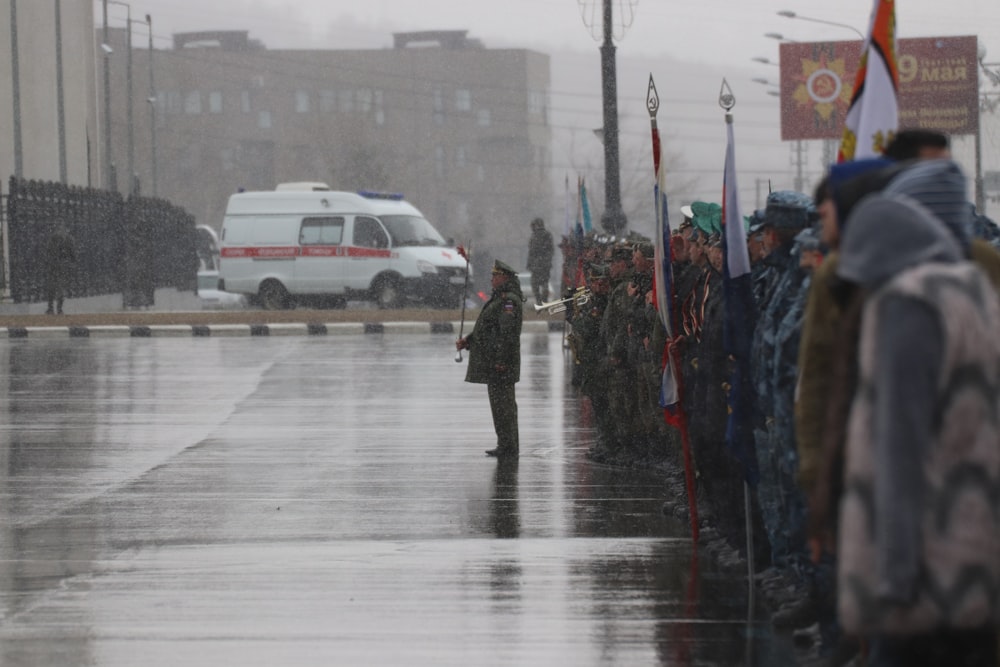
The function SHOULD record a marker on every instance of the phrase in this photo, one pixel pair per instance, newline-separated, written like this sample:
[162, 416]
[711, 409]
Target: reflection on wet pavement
[317, 502]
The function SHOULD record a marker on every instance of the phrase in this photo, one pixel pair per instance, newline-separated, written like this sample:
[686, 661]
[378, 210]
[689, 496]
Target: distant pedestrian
[494, 347]
[540, 250]
[60, 259]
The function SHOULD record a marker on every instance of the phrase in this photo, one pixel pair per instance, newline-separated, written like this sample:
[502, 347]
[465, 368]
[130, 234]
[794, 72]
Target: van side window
[368, 233]
[321, 231]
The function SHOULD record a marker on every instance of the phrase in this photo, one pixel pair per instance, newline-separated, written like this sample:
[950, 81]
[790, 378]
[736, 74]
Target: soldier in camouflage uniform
[649, 420]
[495, 355]
[614, 330]
[589, 350]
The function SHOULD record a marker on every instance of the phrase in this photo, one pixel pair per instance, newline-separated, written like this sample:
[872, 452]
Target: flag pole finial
[652, 99]
[727, 100]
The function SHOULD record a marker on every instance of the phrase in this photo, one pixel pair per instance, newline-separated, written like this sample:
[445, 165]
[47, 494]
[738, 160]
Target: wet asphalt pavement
[326, 501]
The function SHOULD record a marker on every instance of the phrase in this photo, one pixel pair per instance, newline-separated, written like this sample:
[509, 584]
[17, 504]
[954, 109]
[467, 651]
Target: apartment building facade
[461, 130]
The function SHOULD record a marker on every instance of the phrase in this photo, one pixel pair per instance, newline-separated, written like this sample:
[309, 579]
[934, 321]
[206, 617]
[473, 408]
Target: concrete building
[34, 137]
[460, 129]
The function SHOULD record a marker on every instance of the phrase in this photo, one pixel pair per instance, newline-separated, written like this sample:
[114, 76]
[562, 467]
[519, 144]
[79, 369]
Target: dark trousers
[504, 408]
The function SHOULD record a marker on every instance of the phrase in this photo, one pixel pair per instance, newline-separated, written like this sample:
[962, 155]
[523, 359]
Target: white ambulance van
[323, 248]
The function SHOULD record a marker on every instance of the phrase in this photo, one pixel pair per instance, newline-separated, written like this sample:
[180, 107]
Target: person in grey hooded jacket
[919, 535]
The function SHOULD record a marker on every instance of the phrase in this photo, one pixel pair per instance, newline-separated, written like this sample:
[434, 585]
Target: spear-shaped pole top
[652, 99]
[726, 98]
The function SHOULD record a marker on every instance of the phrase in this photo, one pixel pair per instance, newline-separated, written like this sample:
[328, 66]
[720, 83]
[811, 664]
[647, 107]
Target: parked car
[212, 298]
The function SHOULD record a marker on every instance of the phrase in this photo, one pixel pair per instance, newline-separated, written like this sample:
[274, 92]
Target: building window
[379, 111]
[346, 100]
[264, 120]
[536, 103]
[364, 100]
[483, 118]
[301, 101]
[460, 156]
[327, 101]
[463, 99]
[226, 157]
[192, 103]
[438, 100]
[174, 102]
[439, 162]
[245, 101]
[481, 173]
[215, 102]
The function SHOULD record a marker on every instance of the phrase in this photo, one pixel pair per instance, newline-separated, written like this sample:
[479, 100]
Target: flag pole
[465, 296]
[732, 216]
[666, 305]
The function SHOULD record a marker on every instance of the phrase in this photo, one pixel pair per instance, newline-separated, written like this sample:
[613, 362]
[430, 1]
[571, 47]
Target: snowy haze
[687, 45]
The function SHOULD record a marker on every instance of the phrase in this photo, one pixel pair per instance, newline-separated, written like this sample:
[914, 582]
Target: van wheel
[387, 294]
[274, 296]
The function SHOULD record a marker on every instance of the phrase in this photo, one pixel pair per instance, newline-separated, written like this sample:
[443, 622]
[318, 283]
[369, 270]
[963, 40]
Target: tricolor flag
[663, 281]
[739, 317]
[671, 386]
[873, 115]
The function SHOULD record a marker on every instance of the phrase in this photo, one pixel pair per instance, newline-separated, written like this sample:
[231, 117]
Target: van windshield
[412, 230]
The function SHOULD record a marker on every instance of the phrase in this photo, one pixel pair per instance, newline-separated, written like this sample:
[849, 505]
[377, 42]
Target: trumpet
[579, 299]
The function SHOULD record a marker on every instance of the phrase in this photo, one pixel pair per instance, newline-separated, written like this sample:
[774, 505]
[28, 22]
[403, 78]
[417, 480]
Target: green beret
[707, 216]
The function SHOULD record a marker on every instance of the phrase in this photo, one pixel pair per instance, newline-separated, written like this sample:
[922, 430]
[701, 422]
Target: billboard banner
[938, 86]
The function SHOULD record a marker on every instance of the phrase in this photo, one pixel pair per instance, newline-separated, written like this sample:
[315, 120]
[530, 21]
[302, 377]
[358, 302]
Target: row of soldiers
[619, 343]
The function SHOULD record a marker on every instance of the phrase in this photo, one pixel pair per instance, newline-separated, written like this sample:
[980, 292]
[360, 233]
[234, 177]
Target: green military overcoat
[496, 338]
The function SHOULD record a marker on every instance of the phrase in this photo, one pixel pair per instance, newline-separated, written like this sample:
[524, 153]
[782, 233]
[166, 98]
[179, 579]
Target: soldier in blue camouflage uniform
[775, 351]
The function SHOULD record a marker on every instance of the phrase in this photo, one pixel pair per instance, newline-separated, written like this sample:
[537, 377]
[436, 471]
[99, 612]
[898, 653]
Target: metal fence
[128, 246]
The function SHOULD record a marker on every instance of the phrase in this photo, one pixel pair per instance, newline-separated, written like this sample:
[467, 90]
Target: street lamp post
[992, 72]
[109, 175]
[16, 91]
[613, 219]
[792, 15]
[152, 108]
[60, 97]
[128, 93]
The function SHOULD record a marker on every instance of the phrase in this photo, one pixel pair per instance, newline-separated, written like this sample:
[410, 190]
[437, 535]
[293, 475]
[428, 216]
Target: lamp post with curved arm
[792, 15]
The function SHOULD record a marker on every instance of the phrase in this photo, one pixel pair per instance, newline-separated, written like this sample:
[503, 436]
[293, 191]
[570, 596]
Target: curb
[251, 330]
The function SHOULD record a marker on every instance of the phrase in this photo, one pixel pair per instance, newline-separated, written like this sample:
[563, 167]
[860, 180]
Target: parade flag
[585, 208]
[873, 115]
[663, 284]
[568, 216]
[671, 385]
[739, 317]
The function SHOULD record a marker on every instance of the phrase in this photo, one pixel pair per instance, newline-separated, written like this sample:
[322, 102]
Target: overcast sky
[715, 31]
[721, 36]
